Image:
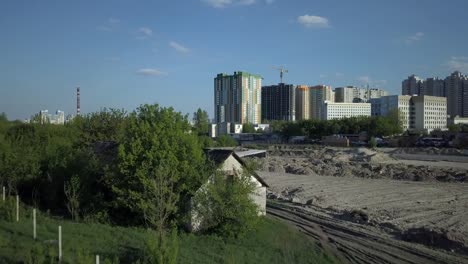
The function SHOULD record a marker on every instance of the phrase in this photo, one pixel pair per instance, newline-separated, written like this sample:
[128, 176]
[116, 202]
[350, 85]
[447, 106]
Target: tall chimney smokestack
[78, 110]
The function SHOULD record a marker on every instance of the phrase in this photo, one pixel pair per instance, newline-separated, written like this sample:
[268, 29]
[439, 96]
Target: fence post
[3, 193]
[60, 243]
[97, 259]
[34, 224]
[17, 208]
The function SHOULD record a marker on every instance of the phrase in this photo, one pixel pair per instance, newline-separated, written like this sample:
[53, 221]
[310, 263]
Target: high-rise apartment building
[237, 98]
[456, 91]
[344, 94]
[434, 87]
[318, 95]
[350, 94]
[375, 93]
[279, 102]
[302, 102]
[45, 118]
[412, 86]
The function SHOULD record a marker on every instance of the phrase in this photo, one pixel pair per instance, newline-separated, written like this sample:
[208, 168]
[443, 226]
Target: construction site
[386, 205]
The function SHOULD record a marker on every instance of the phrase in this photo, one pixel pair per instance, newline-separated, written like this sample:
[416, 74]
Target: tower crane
[282, 70]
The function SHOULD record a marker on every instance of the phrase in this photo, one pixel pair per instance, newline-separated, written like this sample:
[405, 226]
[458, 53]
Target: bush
[225, 206]
[225, 141]
[8, 209]
[372, 142]
[162, 252]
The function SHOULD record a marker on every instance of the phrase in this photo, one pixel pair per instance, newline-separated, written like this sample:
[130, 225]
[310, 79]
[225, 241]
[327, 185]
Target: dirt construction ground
[384, 206]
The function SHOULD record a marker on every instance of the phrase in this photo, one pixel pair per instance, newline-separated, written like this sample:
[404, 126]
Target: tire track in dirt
[354, 243]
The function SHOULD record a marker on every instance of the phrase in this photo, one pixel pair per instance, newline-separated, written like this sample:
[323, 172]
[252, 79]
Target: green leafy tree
[395, 122]
[248, 128]
[72, 189]
[3, 117]
[225, 141]
[160, 164]
[454, 128]
[225, 206]
[105, 125]
[201, 122]
[372, 142]
[170, 249]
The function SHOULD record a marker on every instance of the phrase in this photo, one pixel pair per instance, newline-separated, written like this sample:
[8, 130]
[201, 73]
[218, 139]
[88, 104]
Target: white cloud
[110, 24]
[323, 76]
[151, 72]
[458, 64]
[179, 47]
[145, 32]
[339, 75]
[413, 38]
[112, 20]
[227, 3]
[313, 21]
[104, 28]
[269, 2]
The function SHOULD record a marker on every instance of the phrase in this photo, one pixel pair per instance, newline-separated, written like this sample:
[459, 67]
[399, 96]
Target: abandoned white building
[231, 164]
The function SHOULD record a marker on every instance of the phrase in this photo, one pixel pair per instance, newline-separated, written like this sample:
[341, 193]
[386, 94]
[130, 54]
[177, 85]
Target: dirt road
[356, 243]
[374, 206]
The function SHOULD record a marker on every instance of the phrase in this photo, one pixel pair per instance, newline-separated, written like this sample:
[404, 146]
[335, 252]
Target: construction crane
[281, 70]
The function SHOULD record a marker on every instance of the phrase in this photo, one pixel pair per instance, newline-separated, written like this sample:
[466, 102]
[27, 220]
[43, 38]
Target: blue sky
[124, 53]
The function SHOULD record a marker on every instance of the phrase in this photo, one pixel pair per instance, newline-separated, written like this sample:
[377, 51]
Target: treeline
[138, 168]
[316, 129]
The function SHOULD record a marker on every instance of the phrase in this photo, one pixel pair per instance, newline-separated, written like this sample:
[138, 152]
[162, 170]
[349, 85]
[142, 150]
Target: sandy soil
[407, 195]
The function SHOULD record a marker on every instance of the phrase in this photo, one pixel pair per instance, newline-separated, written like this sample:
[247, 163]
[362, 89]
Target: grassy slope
[273, 242]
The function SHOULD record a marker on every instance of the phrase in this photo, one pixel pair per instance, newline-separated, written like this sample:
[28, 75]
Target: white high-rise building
[350, 94]
[345, 110]
[57, 119]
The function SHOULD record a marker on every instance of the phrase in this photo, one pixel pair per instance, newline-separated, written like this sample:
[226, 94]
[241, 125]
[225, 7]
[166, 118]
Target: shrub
[225, 206]
[162, 251]
[225, 141]
[8, 209]
[372, 142]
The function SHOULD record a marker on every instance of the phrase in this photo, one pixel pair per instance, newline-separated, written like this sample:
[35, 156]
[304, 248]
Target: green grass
[272, 242]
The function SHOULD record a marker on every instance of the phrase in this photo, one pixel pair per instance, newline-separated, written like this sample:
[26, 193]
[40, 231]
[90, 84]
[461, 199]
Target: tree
[395, 122]
[3, 117]
[160, 164]
[454, 128]
[225, 141]
[225, 205]
[106, 125]
[72, 189]
[201, 122]
[248, 128]
[372, 142]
